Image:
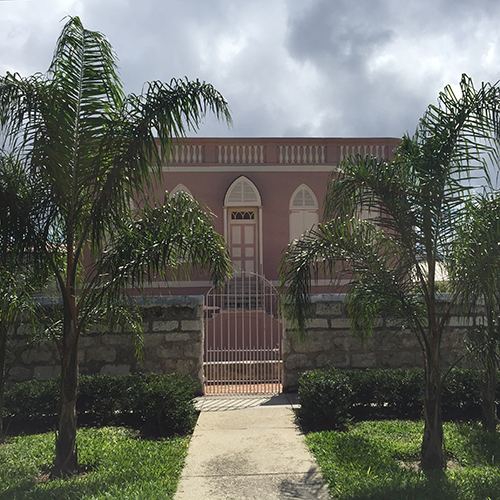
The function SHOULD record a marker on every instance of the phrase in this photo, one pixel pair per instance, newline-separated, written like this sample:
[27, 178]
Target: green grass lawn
[379, 461]
[120, 466]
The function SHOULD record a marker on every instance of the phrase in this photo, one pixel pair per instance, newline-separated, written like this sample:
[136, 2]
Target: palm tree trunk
[66, 461]
[432, 456]
[432, 442]
[3, 351]
[488, 405]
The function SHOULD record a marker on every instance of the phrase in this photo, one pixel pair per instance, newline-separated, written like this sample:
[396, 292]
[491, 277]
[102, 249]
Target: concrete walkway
[247, 447]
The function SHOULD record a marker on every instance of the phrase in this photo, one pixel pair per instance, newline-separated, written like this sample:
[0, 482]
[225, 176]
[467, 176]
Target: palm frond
[415, 200]
[474, 259]
[353, 249]
[167, 241]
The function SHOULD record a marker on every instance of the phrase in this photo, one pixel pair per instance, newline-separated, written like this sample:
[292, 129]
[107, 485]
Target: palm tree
[15, 302]
[415, 202]
[19, 269]
[94, 150]
[474, 270]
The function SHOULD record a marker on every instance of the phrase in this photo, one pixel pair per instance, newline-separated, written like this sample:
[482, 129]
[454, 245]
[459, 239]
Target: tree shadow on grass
[478, 447]
[88, 486]
[408, 486]
[362, 468]
[483, 485]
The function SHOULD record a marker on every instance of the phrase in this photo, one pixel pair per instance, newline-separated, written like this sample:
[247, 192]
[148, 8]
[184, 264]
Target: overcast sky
[288, 68]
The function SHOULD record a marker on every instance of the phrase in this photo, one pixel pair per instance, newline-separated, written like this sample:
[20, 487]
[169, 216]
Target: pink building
[264, 192]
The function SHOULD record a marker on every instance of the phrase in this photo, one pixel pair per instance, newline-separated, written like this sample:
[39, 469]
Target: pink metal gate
[243, 333]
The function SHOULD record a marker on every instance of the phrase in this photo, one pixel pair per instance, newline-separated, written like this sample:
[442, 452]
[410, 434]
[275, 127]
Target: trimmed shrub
[31, 406]
[164, 406]
[462, 395]
[100, 398]
[330, 397]
[400, 393]
[157, 404]
[406, 398]
[325, 397]
[388, 393]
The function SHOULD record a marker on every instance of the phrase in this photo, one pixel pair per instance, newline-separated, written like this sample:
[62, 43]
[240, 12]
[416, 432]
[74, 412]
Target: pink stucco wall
[277, 167]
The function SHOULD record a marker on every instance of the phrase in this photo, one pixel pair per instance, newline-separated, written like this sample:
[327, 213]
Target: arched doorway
[243, 225]
[243, 330]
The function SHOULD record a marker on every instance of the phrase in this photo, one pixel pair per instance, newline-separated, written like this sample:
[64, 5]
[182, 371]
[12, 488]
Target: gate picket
[243, 332]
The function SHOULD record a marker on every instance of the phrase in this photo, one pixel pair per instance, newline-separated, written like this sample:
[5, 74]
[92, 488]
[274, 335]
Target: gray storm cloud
[287, 68]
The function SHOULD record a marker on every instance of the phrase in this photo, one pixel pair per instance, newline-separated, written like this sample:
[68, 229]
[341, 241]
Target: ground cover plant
[114, 463]
[379, 460]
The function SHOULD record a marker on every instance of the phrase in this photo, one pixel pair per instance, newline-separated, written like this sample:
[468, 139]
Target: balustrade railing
[377, 150]
[300, 154]
[236, 154]
[282, 151]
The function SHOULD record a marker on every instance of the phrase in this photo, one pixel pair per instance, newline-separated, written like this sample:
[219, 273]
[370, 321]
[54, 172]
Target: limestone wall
[173, 334]
[329, 342]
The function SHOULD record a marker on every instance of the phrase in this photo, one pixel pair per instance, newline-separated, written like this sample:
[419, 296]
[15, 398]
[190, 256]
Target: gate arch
[243, 333]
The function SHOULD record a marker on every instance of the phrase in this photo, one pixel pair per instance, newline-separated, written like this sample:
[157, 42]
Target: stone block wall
[173, 336]
[329, 342]
[173, 333]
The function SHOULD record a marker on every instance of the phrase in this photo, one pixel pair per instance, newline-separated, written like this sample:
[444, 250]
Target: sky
[288, 68]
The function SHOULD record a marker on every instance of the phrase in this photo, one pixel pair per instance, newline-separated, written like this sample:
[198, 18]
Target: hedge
[157, 404]
[330, 397]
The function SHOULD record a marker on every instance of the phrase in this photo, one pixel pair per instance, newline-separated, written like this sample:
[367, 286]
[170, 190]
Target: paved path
[249, 448]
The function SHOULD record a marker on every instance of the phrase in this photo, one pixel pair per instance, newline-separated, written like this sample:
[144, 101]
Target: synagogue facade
[264, 192]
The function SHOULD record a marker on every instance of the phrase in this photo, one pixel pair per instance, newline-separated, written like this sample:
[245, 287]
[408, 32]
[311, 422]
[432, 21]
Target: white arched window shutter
[303, 211]
[242, 193]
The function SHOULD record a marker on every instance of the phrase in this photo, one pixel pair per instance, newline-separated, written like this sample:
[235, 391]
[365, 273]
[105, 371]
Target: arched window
[303, 211]
[242, 193]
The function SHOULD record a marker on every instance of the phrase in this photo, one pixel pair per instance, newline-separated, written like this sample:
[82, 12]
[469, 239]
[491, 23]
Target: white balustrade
[377, 150]
[300, 154]
[238, 154]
